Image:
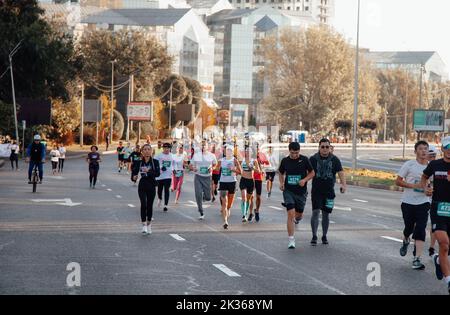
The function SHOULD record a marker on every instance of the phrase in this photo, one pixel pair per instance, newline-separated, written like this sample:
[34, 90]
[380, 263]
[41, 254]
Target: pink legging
[177, 182]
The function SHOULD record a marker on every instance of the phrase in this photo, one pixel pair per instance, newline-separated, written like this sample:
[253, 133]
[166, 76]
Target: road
[38, 239]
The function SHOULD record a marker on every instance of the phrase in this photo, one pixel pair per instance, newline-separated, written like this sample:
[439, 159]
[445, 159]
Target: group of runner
[426, 183]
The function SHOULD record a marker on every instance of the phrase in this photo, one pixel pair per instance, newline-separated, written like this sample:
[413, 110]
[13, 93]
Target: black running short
[294, 201]
[247, 184]
[121, 158]
[439, 223]
[215, 178]
[230, 187]
[270, 176]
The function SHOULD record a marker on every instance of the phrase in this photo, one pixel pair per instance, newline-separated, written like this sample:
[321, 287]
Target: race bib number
[226, 171]
[329, 203]
[443, 209]
[294, 179]
[166, 163]
[204, 170]
[178, 173]
[418, 190]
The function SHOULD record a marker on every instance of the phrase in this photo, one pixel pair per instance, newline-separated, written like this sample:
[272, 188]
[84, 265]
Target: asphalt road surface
[64, 222]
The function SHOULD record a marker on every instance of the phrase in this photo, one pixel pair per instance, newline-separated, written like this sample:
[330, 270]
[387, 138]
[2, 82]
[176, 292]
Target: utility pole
[385, 122]
[13, 52]
[170, 109]
[355, 107]
[405, 118]
[112, 101]
[82, 116]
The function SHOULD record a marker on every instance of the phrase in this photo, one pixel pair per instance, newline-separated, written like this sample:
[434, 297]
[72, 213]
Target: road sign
[428, 120]
[92, 110]
[141, 111]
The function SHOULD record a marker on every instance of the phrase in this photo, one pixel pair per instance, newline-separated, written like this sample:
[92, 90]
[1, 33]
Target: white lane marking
[192, 202]
[226, 270]
[109, 189]
[359, 200]
[343, 208]
[177, 237]
[276, 208]
[392, 239]
[131, 205]
[103, 185]
[118, 196]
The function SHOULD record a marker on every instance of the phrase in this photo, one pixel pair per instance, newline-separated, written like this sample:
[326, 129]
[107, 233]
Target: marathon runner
[295, 171]
[257, 177]
[135, 157]
[270, 169]
[432, 155]
[164, 180]
[126, 156]
[440, 208]
[215, 176]
[415, 204]
[202, 164]
[179, 163]
[93, 159]
[247, 183]
[325, 165]
[148, 169]
[228, 167]
[119, 156]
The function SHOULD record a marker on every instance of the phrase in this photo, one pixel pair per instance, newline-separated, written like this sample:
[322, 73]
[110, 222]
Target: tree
[135, 53]
[310, 75]
[45, 61]
[398, 88]
[65, 118]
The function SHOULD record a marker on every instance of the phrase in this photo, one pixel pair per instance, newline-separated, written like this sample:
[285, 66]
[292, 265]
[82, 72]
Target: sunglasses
[325, 147]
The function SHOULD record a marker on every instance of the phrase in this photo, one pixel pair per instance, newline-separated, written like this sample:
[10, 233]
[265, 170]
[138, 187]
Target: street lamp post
[355, 109]
[405, 118]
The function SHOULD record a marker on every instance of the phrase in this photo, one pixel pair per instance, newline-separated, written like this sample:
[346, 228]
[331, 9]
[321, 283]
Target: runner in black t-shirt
[135, 157]
[295, 171]
[325, 165]
[119, 150]
[440, 208]
[93, 159]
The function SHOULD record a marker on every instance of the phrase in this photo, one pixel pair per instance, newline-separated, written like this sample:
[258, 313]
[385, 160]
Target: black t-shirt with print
[93, 158]
[135, 156]
[440, 170]
[325, 185]
[295, 170]
[119, 150]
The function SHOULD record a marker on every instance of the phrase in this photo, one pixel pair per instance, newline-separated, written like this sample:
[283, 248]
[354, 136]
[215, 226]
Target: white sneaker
[201, 217]
[149, 229]
[144, 229]
[291, 243]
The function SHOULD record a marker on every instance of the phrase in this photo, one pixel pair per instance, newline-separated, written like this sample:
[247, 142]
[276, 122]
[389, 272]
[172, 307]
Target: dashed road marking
[392, 239]
[118, 196]
[276, 208]
[131, 205]
[342, 208]
[177, 237]
[109, 189]
[226, 270]
[359, 200]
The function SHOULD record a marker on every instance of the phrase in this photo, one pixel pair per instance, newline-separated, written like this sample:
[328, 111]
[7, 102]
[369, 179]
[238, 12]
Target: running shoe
[257, 216]
[149, 229]
[268, 194]
[404, 248]
[417, 265]
[165, 209]
[324, 240]
[250, 217]
[431, 251]
[314, 241]
[225, 226]
[244, 219]
[144, 229]
[291, 244]
[439, 274]
[201, 217]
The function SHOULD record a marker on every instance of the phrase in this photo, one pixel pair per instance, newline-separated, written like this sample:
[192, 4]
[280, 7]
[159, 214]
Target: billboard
[92, 111]
[428, 120]
[141, 111]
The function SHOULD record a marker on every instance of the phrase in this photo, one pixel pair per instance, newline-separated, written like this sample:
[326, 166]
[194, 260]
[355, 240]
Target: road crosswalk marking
[226, 270]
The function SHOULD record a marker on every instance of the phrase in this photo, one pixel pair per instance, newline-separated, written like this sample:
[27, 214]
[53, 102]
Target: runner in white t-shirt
[179, 162]
[62, 157]
[165, 159]
[54, 157]
[415, 204]
[202, 164]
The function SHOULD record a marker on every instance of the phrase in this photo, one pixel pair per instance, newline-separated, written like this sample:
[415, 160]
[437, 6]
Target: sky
[397, 25]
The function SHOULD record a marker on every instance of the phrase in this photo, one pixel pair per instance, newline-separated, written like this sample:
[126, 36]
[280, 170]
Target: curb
[374, 186]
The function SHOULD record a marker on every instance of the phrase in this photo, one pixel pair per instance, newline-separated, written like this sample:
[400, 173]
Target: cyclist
[36, 157]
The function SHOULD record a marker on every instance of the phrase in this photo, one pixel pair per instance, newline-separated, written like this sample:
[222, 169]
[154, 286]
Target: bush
[368, 124]
[89, 135]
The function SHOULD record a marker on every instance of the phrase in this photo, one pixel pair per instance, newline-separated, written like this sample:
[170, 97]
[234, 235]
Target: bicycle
[35, 177]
